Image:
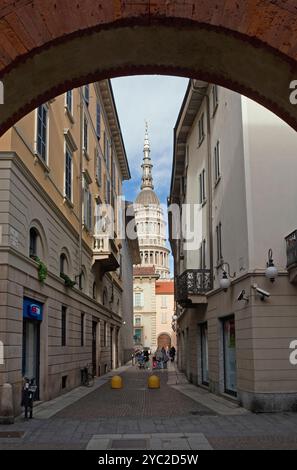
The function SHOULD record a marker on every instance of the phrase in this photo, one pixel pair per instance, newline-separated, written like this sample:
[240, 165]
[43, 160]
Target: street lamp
[271, 270]
[225, 282]
[225, 279]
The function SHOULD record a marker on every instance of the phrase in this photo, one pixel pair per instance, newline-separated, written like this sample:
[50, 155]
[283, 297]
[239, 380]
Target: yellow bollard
[116, 382]
[153, 381]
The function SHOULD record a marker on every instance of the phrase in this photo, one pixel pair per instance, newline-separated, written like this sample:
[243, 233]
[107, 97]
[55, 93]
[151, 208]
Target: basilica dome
[146, 197]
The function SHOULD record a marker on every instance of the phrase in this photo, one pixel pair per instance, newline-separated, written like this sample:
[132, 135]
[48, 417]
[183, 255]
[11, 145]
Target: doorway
[204, 354]
[32, 317]
[164, 341]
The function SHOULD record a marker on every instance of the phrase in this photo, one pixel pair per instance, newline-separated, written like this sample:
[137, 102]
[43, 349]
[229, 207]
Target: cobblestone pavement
[135, 400]
[180, 421]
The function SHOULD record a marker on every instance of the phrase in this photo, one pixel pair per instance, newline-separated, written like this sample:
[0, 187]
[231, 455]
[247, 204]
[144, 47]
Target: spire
[147, 178]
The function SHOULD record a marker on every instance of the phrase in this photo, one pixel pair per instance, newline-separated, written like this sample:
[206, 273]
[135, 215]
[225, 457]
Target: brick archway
[50, 46]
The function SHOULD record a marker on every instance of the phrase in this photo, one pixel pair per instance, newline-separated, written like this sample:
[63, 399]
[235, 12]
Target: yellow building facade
[62, 234]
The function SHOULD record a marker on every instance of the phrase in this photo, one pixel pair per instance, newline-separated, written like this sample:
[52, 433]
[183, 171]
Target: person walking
[172, 353]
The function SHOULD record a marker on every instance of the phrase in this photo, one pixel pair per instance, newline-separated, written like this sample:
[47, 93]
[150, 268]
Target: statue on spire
[147, 178]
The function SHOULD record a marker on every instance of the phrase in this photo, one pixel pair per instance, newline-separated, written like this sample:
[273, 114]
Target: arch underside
[166, 47]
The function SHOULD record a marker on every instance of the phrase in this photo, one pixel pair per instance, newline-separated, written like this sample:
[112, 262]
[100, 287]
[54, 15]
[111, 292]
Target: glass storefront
[229, 346]
[204, 353]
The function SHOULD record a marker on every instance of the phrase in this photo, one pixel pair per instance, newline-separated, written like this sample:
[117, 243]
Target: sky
[156, 99]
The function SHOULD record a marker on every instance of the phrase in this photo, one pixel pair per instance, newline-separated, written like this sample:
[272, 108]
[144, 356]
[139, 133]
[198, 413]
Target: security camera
[242, 296]
[263, 293]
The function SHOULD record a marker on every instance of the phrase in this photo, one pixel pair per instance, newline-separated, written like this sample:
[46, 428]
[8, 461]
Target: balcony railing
[291, 242]
[192, 283]
[105, 252]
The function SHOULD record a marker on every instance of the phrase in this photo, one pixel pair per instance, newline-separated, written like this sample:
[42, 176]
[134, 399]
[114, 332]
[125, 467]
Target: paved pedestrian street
[177, 416]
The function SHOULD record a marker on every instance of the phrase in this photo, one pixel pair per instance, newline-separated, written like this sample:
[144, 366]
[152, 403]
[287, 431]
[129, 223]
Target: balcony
[192, 286]
[291, 247]
[106, 253]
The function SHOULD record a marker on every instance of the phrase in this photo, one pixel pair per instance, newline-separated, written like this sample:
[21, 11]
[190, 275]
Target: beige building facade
[231, 209]
[61, 277]
[165, 309]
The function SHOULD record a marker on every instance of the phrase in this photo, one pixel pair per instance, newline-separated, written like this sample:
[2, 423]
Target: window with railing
[291, 249]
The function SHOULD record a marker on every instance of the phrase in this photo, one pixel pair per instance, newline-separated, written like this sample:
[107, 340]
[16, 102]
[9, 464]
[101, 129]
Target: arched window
[33, 246]
[63, 264]
[105, 296]
[94, 291]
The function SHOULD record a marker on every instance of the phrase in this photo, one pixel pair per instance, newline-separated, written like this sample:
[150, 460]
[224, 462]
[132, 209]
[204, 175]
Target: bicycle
[87, 378]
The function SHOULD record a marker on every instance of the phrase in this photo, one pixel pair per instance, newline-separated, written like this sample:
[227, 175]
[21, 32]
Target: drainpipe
[209, 173]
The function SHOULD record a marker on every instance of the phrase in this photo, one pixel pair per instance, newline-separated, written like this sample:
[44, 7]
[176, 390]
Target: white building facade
[151, 231]
[233, 172]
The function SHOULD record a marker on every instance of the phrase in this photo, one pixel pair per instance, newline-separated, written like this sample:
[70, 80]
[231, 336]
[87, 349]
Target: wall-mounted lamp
[271, 271]
[225, 279]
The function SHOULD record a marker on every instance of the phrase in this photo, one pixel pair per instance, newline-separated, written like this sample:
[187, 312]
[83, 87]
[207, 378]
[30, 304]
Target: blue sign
[32, 309]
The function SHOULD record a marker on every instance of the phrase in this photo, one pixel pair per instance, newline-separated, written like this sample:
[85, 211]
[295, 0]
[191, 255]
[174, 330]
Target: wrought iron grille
[291, 242]
[193, 282]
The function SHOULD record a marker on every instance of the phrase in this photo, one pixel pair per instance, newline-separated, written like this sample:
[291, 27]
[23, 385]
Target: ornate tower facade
[149, 217]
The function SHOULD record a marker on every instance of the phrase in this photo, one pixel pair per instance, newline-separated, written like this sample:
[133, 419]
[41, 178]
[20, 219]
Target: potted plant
[42, 269]
[67, 280]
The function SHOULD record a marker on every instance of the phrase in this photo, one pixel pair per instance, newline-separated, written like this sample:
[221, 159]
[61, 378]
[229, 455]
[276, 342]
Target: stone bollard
[153, 381]
[116, 382]
[6, 405]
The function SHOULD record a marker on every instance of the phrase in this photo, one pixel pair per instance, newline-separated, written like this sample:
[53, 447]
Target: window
[217, 172]
[69, 101]
[64, 381]
[201, 129]
[138, 299]
[68, 173]
[87, 207]
[219, 243]
[33, 242]
[104, 333]
[63, 325]
[87, 94]
[94, 291]
[98, 167]
[215, 100]
[82, 329]
[98, 120]
[108, 155]
[138, 335]
[203, 255]
[63, 261]
[137, 321]
[113, 176]
[107, 194]
[202, 187]
[164, 301]
[229, 355]
[82, 281]
[105, 296]
[86, 137]
[164, 317]
[42, 122]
